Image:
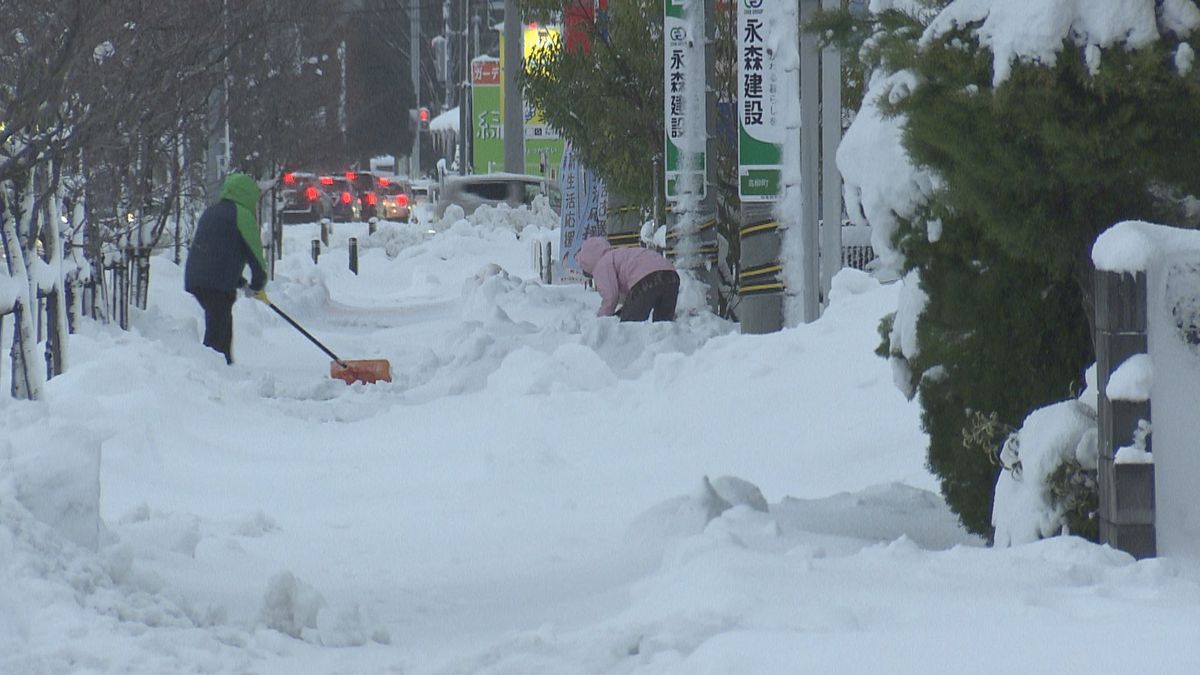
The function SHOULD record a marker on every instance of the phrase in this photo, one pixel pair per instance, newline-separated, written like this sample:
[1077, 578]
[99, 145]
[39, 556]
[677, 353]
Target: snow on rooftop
[447, 121]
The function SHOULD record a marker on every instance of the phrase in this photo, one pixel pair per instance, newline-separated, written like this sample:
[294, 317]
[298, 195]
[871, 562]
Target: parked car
[302, 199]
[424, 191]
[395, 199]
[346, 206]
[471, 192]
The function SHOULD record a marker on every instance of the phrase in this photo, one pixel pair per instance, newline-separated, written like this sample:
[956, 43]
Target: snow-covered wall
[1171, 259]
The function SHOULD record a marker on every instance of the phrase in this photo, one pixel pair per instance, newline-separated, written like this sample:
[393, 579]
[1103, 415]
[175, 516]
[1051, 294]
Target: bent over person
[226, 240]
[645, 279]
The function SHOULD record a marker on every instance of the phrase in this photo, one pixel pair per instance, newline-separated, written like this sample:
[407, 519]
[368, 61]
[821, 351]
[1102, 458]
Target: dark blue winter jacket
[219, 251]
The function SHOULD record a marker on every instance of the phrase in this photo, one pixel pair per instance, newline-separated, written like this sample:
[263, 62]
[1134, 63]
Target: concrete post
[760, 291]
[1126, 490]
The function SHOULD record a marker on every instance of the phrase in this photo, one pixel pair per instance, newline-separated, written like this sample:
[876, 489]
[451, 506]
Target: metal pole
[414, 59]
[831, 179]
[464, 120]
[316, 250]
[353, 248]
[514, 113]
[810, 137]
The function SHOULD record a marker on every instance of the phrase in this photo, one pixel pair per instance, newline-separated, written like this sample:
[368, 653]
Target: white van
[514, 189]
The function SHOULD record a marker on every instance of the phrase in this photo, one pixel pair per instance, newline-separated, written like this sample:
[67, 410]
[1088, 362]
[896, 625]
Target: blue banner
[584, 213]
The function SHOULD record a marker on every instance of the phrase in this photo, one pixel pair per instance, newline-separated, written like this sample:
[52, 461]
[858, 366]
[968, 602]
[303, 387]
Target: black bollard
[354, 254]
[316, 250]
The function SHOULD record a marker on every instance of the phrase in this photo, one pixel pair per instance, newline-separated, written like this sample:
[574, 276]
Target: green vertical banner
[760, 113]
[485, 106]
[684, 96]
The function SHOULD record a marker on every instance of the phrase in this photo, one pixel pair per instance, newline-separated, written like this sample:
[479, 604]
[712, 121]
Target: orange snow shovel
[361, 370]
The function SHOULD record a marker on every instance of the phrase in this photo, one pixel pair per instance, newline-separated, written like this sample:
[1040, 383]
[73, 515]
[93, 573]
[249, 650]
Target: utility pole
[414, 58]
[810, 166]
[514, 100]
[446, 33]
[464, 95]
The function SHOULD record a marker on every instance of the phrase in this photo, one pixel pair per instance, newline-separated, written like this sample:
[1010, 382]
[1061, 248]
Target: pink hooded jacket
[616, 270]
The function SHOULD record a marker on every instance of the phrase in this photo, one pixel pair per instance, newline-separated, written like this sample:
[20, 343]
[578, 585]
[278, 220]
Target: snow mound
[690, 514]
[1021, 511]
[57, 477]
[296, 609]
[571, 367]
[850, 282]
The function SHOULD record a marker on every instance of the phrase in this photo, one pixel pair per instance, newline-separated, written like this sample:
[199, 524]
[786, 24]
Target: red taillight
[402, 199]
[384, 182]
[310, 193]
[289, 178]
[372, 199]
[350, 176]
[346, 198]
[326, 180]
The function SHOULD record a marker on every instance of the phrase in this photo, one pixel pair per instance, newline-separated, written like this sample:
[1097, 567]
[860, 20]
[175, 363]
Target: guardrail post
[353, 248]
[316, 250]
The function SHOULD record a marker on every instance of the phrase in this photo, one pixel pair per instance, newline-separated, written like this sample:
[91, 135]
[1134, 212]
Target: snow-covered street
[537, 491]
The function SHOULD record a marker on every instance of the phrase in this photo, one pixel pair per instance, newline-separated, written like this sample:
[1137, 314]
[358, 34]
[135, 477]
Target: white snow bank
[296, 609]
[55, 473]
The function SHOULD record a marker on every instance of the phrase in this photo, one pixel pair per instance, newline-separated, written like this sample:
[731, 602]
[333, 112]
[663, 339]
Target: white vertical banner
[584, 213]
[684, 98]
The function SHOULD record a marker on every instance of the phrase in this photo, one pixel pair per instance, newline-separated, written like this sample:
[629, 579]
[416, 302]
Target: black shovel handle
[308, 335]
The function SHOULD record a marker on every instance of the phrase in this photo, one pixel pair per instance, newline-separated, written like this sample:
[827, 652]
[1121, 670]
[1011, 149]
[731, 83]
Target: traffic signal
[419, 118]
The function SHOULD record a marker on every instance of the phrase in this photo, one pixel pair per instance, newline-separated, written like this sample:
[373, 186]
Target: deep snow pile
[538, 491]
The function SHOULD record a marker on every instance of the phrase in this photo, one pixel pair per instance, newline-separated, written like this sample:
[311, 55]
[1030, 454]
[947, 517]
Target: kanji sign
[683, 99]
[760, 114]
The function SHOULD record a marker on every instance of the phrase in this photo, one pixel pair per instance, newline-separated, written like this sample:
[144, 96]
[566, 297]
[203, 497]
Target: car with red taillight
[369, 191]
[395, 200]
[346, 203]
[302, 199]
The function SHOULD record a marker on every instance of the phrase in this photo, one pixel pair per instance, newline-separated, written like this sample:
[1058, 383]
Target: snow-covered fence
[543, 260]
[1148, 302]
[857, 251]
